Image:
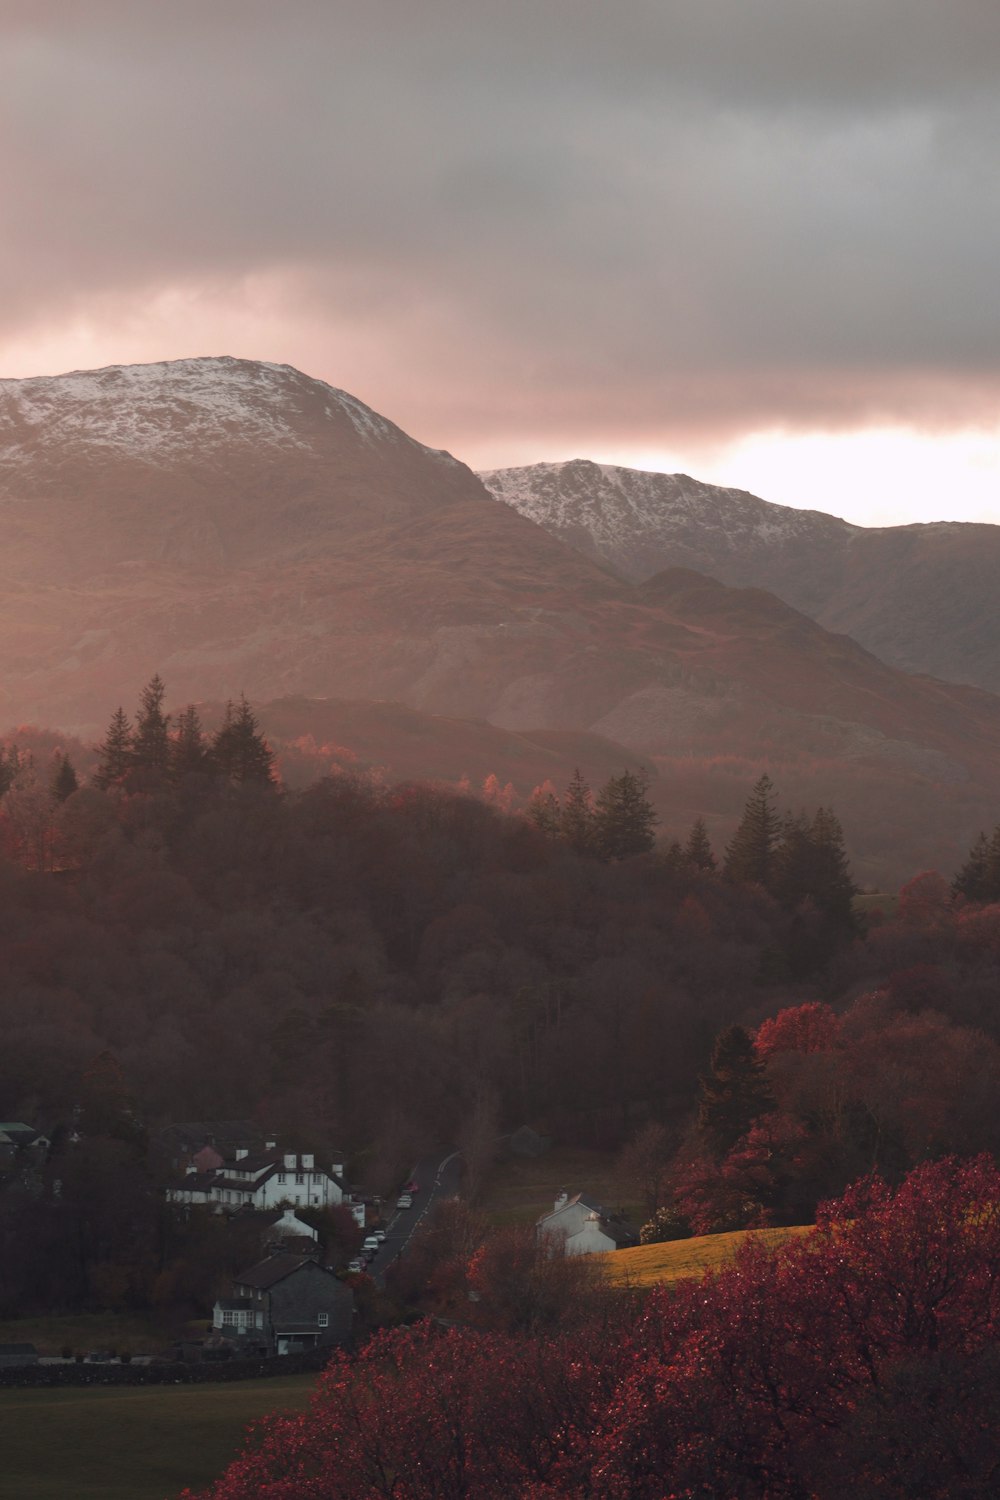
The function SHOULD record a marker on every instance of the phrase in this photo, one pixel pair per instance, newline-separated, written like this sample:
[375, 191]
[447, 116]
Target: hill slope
[241, 527]
[921, 597]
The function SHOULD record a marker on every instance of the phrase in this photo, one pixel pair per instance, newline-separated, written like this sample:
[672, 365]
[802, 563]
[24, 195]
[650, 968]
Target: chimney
[290, 1160]
[190, 1170]
[337, 1169]
[562, 1198]
[307, 1161]
[270, 1145]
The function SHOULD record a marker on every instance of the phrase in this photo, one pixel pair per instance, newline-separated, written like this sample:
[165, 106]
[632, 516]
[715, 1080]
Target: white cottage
[580, 1226]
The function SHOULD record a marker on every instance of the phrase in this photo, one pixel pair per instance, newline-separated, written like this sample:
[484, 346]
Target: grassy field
[138, 1443]
[85, 1331]
[887, 904]
[521, 1189]
[648, 1265]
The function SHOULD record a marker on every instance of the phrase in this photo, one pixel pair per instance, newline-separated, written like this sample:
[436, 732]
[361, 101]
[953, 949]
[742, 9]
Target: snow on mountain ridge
[620, 509]
[162, 410]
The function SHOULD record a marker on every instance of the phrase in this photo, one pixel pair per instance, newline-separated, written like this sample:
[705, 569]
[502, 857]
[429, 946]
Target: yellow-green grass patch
[652, 1265]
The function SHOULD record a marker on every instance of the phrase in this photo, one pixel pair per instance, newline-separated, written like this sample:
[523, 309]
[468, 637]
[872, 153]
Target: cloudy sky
[754, 239]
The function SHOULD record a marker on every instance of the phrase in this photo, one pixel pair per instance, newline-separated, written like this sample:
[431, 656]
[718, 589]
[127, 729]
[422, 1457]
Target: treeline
[152, 753]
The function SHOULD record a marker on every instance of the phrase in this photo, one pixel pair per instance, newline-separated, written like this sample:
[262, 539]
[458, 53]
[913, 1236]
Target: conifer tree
[811, 864]
[188, 751]
[624, 818]
[115, 752]
[576, 816]
[64, 780]
[734, 1094]
[973, 879]
[151, 741]
[698, 849]
[8, 768]
[543, 811]
[750, 858]
[239, 750]
[833, 888]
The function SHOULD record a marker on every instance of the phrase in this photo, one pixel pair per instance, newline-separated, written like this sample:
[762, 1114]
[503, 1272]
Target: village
[322, 1243]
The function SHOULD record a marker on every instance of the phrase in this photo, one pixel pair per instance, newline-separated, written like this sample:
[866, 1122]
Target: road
[438, 1177]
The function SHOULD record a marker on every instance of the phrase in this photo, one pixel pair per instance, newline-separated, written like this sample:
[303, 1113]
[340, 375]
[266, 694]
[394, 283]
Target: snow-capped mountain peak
[641, 522]
[159, 411]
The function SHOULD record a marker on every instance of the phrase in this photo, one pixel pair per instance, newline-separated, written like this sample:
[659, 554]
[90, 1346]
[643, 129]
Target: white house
[579, 1226]
[265, 1180]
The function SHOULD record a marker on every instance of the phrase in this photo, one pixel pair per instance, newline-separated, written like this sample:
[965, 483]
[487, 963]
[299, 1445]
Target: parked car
[371, 1242]
[412, 1187]
[356, 1266]
[379, 1235]
[404, 1201]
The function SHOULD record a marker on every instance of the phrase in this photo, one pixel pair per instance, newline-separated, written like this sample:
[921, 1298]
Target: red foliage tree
[859, 1361]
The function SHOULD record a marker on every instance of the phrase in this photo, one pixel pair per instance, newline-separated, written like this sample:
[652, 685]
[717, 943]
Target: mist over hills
[922, 597]
[238, 526]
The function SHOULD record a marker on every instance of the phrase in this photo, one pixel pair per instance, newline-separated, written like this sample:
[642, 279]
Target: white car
[404, 1201]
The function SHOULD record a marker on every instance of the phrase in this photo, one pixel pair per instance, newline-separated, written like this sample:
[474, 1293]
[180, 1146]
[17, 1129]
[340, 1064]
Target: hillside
[920, 596]
[241, 527]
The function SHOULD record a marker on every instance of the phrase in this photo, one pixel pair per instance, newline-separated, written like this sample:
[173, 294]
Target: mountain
[922, 597]
[241, 527]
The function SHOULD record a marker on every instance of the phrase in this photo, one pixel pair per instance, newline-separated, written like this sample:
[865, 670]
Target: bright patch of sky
[873, 477]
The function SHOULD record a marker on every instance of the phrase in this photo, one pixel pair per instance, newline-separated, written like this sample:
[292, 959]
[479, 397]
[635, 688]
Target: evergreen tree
[115, 752]
[239, 750]
[833, 888]
[64, 780]
[973, 879]
[9, 762]
[576, 816]
[188, 751]
[544, 812]
[698, 849]
[151, 741]
[750, 858]
[811, 865]
[624, 818]
[734, 1094]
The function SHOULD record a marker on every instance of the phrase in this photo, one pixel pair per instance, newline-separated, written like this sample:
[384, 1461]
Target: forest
[373, 971]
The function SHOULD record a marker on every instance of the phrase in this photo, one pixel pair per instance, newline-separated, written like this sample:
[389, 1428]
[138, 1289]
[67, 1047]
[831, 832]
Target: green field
[649, 1265]
[86, 1331]
[137, 1443]
[520, 1189]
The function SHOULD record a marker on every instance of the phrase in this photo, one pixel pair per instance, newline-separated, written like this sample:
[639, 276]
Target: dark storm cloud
[716, 212]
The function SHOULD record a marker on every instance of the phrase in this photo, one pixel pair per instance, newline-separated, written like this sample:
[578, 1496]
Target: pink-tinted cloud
[521, 219]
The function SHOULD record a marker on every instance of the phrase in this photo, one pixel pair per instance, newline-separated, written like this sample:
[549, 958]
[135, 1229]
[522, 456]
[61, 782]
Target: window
[282, 1178]
[299, 1177]
[323, 1319]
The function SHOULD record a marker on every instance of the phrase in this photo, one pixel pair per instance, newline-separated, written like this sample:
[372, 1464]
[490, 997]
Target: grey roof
[241, 1186]
[268, 1272]
[583, 1199]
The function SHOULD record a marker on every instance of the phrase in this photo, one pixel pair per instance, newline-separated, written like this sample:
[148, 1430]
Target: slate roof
[584, 1200]
[268, 1273]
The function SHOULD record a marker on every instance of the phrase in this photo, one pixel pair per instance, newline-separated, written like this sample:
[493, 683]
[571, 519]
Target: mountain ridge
[919, 596]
